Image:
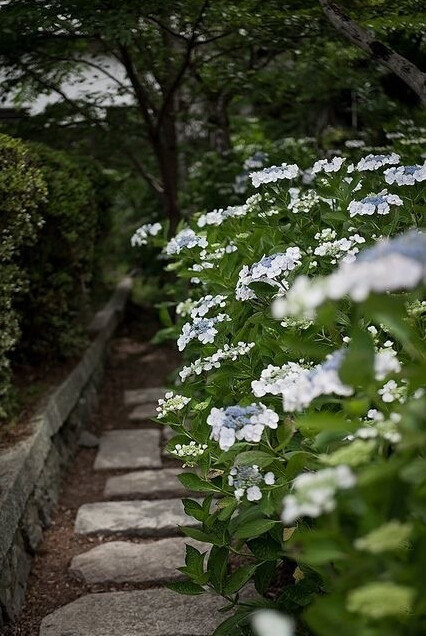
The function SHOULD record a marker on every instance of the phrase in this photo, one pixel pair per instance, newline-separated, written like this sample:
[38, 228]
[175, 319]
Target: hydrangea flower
[323, 379]
[375, 203]
[184, 308]
[202, 329]
[275, 380]
[189, 452]
[381, 599]
[405, 175]
[236, 423]
[374, 162]
[247, 479]
[304, 203]
[203, 306]
[267, 622]
[389, 265]
[324, 165]
[267, 270]
[376, 425]
[274, 173]
[142, 234]
[229, 352]
[186, 238]
[171, 404]
[355, 143]
[217, 217]
[385, 362]
[393, 392]
[337, 249]
[314, 493]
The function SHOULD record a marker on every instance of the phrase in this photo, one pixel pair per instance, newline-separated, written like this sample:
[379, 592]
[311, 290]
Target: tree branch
[360, 37]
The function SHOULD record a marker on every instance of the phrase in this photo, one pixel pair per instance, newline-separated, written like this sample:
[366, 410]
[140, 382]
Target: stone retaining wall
[30, 472]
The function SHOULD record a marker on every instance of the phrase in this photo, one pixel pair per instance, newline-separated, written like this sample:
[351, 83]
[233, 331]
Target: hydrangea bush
[300, 404]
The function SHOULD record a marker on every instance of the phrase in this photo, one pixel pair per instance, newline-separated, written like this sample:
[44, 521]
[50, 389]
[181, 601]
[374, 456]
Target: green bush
[22, 191]
[59, 269]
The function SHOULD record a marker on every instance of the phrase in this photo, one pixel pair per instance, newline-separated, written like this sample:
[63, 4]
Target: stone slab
[145, 484]
[143, 412]
[129, 448]
[135, 518]
[125, 562]
[88, 440]
[143, 396]
[153, 612]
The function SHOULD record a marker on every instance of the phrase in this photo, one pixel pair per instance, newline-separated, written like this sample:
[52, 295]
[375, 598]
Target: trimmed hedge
[59, 270]
[22, 192]
[54, 214]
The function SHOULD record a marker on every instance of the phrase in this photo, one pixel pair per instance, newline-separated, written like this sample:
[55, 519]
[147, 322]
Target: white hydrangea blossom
[267, 622]
[203, 306]
[228, 352]
[247, 479]
[385, 362]
[202, 329]
[302, 203]
[308, 384]
[328, 166]
[186, 238]
[236, 423]
[374, 162]
[274, 173]
[389, 265]
[217, 217]
[406, 175]
[374, 203]
[190, 453]
[296, 323]
[171, 403]
[355, 143]
[343, 249]
[376, 425]
[185, 307]
[315, 493]
[142, 234]
[267, 270]
[275, 380]
[393, 392]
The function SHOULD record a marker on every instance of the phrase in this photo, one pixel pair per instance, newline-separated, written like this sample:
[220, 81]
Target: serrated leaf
[239, 578]
[195, 483]
[254, 528]
[254, 458]
[186, 587]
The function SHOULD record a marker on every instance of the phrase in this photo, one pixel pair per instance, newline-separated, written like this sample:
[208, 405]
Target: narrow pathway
[121, 544]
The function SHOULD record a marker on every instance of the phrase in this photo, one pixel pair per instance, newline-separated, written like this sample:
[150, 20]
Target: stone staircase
[144, 504]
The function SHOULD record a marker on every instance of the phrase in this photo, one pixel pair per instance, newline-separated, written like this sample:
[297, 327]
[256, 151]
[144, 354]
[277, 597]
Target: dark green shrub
[59, 269]
[22, 191]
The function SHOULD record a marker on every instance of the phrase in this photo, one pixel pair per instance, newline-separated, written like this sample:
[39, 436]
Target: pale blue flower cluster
[406, 175]
[374, 203]
[236, 423]
[202, 329]
[186, 238]
[247, 479]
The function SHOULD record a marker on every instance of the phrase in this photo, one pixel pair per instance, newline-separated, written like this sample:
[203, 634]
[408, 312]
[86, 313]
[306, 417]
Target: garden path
[114, 541]
[142, 503]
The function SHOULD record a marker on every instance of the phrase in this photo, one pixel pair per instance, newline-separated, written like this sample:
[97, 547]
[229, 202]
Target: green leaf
[186, 587]
[285, 432]
[313, 423]
[254, 528]
[197, 534]
[357, 368]
[195, 483]
[239, 619]
[193, 509]
[239, 578]
[265, 548]
[263, 576]
[254, 458]
[216, 566]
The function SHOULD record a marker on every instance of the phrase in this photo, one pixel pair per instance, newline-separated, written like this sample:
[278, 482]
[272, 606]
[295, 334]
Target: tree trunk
[363, 39]
[218, 123]
[167, 155]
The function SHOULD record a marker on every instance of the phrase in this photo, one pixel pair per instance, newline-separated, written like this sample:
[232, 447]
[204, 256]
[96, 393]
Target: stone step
[153, 612]
[125, 562]
[143, 412]
[145, 484]
[127, 449]
[143, 396]
[135, 518]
